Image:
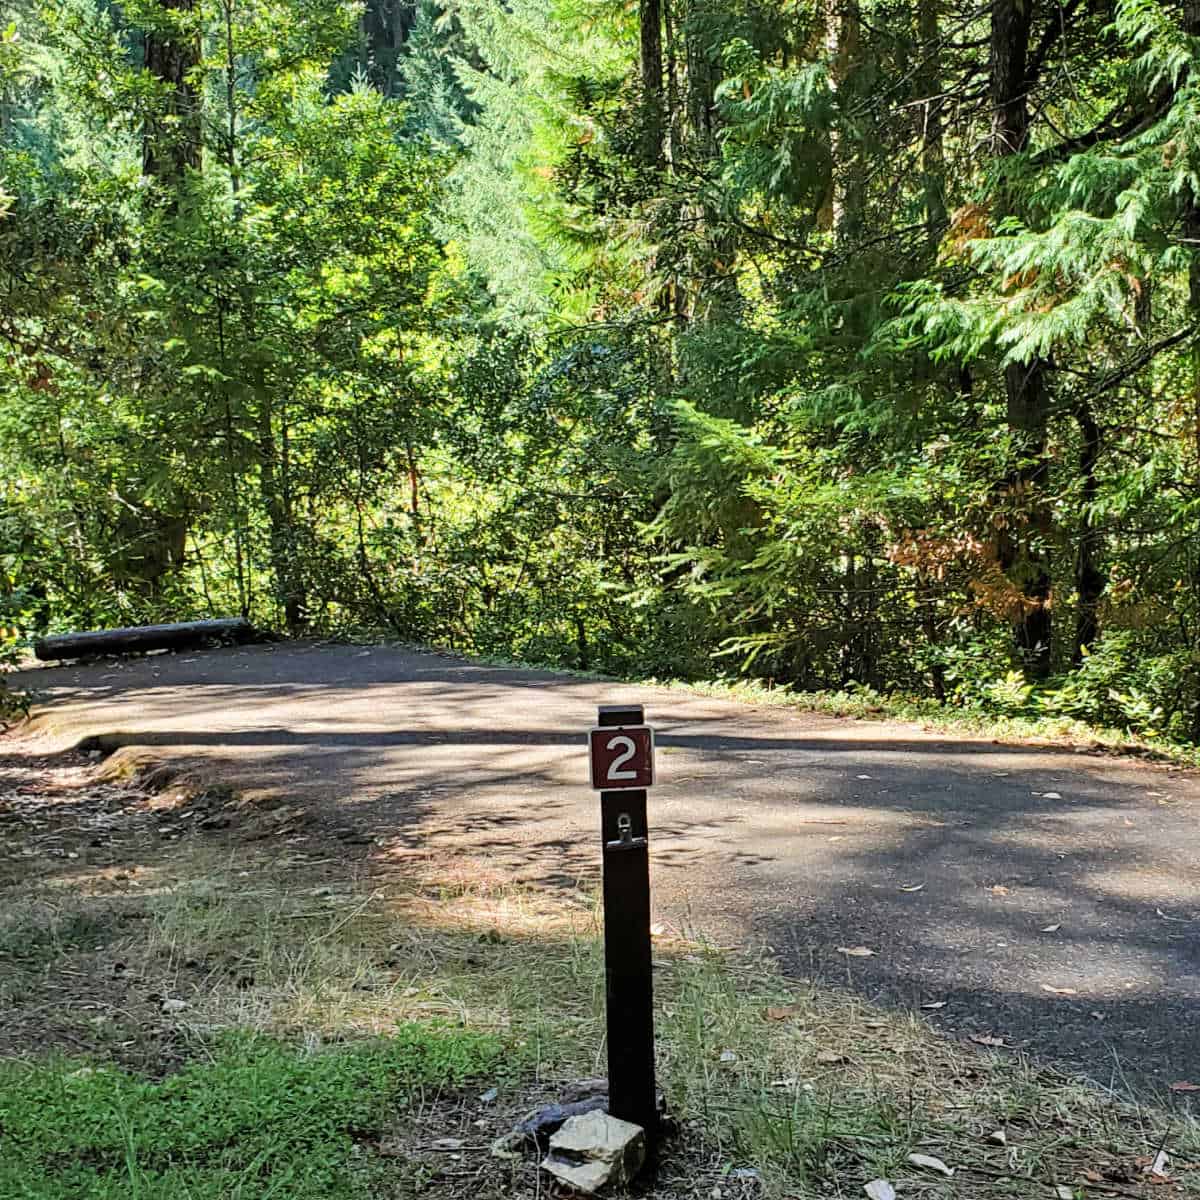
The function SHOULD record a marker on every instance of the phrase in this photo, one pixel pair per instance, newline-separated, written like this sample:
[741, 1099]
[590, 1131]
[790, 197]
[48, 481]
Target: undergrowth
[863, 703]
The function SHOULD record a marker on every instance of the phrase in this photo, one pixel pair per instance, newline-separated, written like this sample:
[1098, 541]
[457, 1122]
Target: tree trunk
[672, 114]
[841, 209]
[414, 489]
[1191, 231]
[1089, 580]
[288, 591]
[927, 602]
[385, 28]
[653, 108]
[172, 138]
[142, 638]
[295, 599]
[933, 158]
[703, 75]
[1022, 553]
[712, 288]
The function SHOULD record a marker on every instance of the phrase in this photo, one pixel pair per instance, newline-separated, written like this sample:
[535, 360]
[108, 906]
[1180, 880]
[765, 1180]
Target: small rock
[1000, 1138]
[489, 1096]
[595, 1150]
[543, 1122]
[510, 1146]
[173, 1006]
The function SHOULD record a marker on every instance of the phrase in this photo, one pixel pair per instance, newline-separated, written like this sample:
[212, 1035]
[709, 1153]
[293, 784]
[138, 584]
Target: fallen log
[143, 637]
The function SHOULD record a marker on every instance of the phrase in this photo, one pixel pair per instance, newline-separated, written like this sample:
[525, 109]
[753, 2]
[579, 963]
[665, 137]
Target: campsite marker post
[621, 750]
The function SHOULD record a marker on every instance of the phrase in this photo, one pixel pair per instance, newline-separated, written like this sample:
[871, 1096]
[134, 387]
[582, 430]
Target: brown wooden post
[630, 991]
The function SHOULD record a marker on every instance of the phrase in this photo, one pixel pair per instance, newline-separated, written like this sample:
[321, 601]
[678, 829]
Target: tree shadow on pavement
[1043, 898]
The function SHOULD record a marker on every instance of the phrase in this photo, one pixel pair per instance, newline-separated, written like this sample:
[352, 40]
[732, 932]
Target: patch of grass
[273, 953]
[816, 1091]
[259, 1118]
[32, 934]
[332, 1010]
[821, 1092]
[866, 705]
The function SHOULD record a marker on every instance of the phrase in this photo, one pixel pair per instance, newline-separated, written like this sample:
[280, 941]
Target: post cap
[621, 714]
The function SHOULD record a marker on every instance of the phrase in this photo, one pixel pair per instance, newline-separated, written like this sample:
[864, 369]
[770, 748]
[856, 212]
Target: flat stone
[593, 1151]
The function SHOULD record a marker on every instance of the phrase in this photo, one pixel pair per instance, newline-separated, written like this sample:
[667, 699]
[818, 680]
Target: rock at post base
[595, 1150]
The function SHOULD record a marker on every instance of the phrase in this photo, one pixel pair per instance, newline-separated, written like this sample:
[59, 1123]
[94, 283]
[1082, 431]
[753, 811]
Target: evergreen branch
[1054, 30]
[1106, 131]
[1138, 362]
[931, 55]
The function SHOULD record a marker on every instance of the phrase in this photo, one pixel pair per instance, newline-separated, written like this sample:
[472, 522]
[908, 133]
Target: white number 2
[630, 750]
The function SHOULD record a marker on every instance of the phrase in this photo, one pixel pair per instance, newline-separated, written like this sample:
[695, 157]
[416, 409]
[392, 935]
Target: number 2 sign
[622, 757]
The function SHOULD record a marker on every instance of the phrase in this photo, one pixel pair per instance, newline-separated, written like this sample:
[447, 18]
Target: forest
[847, 345]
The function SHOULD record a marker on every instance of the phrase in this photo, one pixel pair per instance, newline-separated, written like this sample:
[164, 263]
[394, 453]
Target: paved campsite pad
[1045, 898]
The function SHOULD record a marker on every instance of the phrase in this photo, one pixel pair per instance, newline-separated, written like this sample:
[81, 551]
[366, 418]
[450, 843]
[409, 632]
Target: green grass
[257, 1118]
[339, 1019]
[867, 705]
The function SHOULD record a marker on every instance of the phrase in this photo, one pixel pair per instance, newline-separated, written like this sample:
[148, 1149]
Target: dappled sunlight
[334, 947]
[998, 886]
[1156, 886]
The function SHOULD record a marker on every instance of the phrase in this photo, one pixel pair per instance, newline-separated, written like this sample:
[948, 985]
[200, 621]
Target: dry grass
[818, 1092]
[814, 1092]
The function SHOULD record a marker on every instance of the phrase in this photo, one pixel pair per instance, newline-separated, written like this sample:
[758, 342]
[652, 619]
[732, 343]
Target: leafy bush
[1119, 685]
[13, 704]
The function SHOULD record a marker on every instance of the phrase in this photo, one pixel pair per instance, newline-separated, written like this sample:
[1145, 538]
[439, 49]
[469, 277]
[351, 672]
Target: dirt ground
[1046, 898]
[143, 915]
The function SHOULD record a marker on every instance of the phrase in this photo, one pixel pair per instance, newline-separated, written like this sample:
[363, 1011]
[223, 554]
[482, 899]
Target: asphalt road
[1048, 898]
